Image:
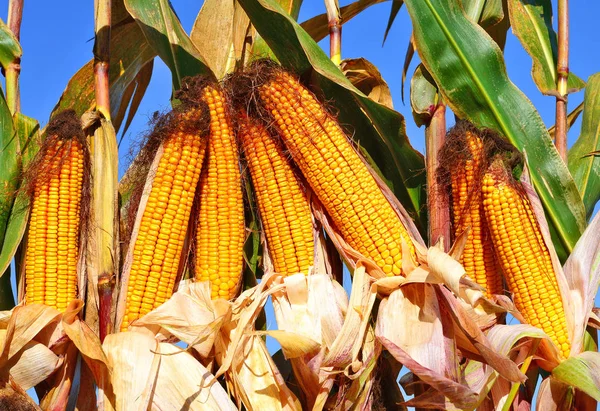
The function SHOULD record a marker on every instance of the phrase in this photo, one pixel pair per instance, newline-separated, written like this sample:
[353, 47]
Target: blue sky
[57, 39]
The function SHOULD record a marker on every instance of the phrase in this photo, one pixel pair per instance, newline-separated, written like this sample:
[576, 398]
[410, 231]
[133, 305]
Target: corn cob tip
[66, 125]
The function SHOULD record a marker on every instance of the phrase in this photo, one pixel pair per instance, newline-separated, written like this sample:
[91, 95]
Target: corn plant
[282, 181]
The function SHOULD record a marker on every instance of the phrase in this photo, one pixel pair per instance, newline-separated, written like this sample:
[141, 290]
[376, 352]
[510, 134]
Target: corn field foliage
[279, 168]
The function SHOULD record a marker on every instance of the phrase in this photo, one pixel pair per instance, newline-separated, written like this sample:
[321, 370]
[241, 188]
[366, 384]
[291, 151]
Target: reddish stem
[102, 56]
[13, 96]
[562, 70]
[106, 285]
[437, 199]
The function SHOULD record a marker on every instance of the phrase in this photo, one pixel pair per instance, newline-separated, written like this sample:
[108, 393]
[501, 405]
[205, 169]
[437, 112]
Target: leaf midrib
[547, 53]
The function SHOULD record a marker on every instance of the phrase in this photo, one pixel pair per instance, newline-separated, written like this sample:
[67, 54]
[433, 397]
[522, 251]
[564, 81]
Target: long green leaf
[378, 130]
[163, 31]
[531, 22]
[396, 6]
[469, 68]
[130, 53]
[9, 171]
[10, 49]
[27, 131]
[585, 166]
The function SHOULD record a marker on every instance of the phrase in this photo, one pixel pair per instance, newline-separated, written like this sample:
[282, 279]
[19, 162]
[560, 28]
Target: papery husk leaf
[145, 374]
[346, 347]
[14, 398]
[581, 371]
[470, 338]
[258, 381]
[293, 345]
[32, 364]
[313, 307]
[25, 323]
[460, 395]
[86, 341]
[410, 319]
[175, 387]
[190, 315]
[61, 382]
[359, 394]
[102, 257]
[582, 271]
[243, 356]
[553, 395]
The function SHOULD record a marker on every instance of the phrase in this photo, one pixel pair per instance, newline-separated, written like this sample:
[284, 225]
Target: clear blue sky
[57, 40]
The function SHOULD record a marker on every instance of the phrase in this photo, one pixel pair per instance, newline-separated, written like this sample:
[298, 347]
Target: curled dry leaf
[148, 374]
[311, 308]
[367, 78]
[190, 315]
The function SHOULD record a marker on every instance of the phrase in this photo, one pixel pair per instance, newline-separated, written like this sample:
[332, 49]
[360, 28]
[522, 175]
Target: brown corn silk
[160, 240]
[220, 229]
[335, 172]
[466, 159]
[283, 204]
[523, 255]
[52, 252]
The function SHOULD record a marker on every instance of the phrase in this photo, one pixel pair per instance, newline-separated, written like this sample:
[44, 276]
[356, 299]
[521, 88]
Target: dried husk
[147, 374]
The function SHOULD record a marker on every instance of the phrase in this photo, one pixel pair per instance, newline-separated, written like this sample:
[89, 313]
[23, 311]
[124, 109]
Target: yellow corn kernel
[220, 229]
[523, 255]
[335, 172]
[282, 202]
[165, 221]
[467, 210]
[53, 242]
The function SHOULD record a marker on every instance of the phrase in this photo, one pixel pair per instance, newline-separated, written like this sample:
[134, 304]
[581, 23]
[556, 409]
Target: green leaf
[585, 166]
[582, 372]
[423, 95]
[490, 15]
[130, 55]
[318, 26]
[9, 171]
[396, 6]
[379, 130]
[10, 49]
[163, 31]
[27, 131]
[469, 68]
[532, 24]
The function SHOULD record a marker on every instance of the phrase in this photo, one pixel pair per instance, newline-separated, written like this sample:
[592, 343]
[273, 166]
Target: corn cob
[53, 241]
[336, 173]
[478, 256]
[282, 202]
[220, 229]
[159, 244]
[523, 255]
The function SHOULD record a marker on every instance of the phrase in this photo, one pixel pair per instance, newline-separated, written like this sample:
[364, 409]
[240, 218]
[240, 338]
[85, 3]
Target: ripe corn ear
[283, 204]
[523, 255]
[467, 211]
[220, 229]
[336, 173]
[159, 244]
[53, 242]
